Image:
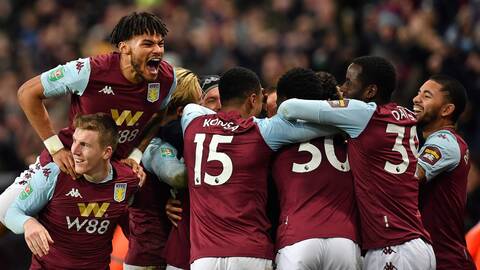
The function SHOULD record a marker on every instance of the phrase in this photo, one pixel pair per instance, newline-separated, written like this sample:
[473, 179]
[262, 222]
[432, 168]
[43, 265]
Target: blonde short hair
[188, 90]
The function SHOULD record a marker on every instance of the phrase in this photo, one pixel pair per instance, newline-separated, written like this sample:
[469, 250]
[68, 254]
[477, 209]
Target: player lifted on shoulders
[76, 219]
[382, 154]
[131, 85]
[442, 168]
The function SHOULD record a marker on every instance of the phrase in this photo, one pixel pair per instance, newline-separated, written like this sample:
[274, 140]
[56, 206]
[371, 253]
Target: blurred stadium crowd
[421, 37]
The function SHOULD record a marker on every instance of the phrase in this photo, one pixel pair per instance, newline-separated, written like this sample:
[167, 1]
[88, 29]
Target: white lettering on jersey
[107, 90]
[217, 122]
[402, 113]
[92, 225]
[74, 193]
[75, 222]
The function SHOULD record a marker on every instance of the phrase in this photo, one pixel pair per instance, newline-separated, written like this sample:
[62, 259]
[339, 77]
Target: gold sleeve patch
[431, 155]
[341, 103]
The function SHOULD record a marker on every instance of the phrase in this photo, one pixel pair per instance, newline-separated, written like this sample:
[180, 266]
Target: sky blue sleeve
[192, 111]
[172, 88]
[70, 78]
[278, 131]
[32, 199]
[349, 115]
[160, 158]
[440, 153]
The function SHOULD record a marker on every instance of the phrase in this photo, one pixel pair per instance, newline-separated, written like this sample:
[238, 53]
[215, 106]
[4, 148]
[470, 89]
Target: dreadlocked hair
[137, 24]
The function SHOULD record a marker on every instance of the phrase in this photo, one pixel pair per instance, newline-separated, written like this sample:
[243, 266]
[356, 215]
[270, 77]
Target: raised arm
[278, 131]
[349, 115]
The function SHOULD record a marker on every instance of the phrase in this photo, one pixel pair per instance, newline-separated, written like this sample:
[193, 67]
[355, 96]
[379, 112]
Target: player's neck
[237, 108]
[99, 175]
[128, 71]
[437, 125]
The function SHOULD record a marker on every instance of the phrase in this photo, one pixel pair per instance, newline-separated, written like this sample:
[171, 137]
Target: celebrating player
[210, 93]
[130, 85]
[382, 154]
[226, 155]
[149, 227]
[76, 219]
[443, 165]
[318, 216]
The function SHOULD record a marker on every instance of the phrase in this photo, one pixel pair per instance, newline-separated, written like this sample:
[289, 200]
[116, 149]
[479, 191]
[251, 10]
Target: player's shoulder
[442, 137]
[124, 172]
[104, 62]
[166, 69]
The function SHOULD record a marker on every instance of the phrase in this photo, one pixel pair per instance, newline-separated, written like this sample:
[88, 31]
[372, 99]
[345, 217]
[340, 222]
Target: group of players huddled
[145, 137]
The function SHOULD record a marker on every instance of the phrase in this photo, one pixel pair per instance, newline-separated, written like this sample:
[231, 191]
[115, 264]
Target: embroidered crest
[26, 192]
[153, 93]
[119, 192]
[56, 74]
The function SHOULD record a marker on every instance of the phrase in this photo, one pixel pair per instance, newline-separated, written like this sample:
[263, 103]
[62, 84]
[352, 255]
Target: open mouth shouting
[153, 65]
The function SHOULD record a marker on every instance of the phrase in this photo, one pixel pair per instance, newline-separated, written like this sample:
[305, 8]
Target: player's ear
[124, 47]
[107, 153]
[179, 111]
[447, 109]
[371, 92]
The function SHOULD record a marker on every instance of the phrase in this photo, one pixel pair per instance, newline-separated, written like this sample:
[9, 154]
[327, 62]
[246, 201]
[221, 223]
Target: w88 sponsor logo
[92, 225]
[89, 225]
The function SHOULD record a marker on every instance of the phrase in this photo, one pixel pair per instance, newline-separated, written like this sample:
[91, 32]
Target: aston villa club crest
[119, 192]
[153, 93]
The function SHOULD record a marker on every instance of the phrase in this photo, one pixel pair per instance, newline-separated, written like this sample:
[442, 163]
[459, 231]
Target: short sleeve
[70, 78]
[440, 153]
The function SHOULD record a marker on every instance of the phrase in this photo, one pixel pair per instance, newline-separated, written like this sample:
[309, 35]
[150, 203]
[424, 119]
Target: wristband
[136, 155]
[53, 144]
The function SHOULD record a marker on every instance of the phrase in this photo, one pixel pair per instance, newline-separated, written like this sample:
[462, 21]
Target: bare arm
[30, 97]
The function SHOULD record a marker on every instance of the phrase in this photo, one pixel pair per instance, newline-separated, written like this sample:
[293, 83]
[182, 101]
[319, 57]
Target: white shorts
[320, 253]
[231, 263]
[12, 192]
[136, 267]
[170, 267]
[415, 254]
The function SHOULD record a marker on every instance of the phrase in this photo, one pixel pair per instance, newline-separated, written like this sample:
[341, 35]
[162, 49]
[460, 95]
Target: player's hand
[64, 160]
[37, 237]
[136, 168]
[174, 210]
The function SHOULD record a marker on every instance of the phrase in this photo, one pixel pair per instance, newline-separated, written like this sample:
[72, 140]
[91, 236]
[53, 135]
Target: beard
[136, 65]
[428, 118]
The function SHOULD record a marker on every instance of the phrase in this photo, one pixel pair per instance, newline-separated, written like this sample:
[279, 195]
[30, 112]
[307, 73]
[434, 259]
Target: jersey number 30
[213, 155]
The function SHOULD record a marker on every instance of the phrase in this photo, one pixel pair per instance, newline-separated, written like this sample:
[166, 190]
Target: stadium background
[421, 37]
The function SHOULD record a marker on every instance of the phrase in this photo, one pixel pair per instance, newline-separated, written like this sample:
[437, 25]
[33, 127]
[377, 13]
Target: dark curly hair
[304, 83]
[380, 72]
[137, 24]
[238, 83]
[456, 93]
